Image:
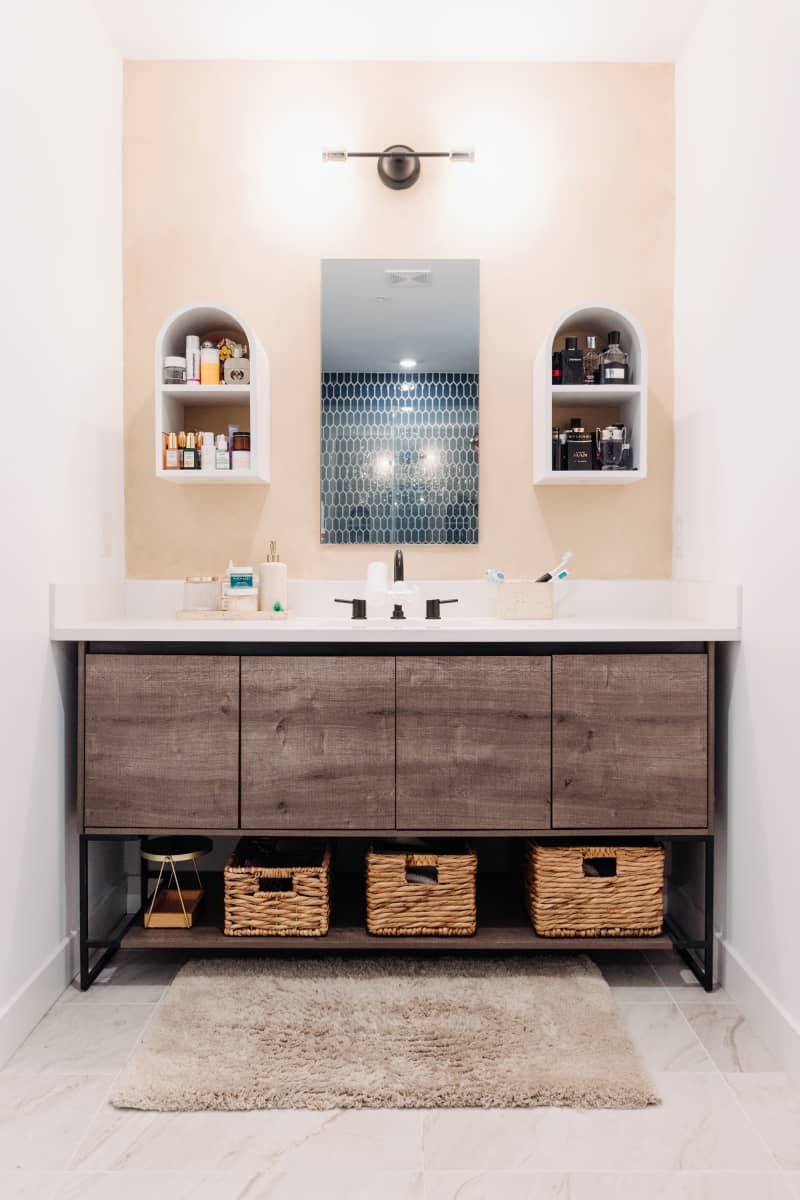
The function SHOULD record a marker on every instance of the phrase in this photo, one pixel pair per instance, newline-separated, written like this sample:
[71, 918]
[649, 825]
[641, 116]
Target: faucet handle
[359, 608]
[432, 609]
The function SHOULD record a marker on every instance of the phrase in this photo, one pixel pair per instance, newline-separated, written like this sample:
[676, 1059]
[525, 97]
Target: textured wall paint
[226, 199]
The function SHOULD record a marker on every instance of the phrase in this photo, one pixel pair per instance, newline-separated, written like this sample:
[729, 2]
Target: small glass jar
[174, 369]
[201, 593]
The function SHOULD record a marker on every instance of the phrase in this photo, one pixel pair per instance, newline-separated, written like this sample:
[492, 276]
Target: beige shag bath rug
[445, 1032]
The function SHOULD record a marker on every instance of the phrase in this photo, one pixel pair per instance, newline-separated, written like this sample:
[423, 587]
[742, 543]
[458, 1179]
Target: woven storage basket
[445, 907]
[252, 909]
[563, 901]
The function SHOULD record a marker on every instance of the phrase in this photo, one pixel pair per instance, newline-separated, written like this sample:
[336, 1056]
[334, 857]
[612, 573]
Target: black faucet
[399, 577]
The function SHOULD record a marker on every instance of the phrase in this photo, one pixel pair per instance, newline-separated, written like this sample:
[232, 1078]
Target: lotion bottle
[273, 592]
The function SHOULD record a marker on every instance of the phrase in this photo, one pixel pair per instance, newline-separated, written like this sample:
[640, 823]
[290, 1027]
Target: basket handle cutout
[422, 874]
[600, 868]
[282, 884]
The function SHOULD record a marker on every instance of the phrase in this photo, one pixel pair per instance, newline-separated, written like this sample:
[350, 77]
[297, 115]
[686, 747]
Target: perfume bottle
[615, 361]
[579, 447]
[556, 376]
[571, 362]
[592, 360]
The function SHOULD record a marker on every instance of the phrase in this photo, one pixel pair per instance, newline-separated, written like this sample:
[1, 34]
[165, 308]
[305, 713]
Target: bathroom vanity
[486, 729]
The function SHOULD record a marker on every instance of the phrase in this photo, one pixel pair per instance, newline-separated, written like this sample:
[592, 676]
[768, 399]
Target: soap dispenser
[273, 592]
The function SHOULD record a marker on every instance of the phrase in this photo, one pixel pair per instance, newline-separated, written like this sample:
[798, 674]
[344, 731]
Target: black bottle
[571, 362]
[556, 367]
[556, 464]
[579, 447]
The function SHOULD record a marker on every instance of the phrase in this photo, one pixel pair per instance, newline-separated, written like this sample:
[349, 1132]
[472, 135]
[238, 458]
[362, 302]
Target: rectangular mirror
[400, 444]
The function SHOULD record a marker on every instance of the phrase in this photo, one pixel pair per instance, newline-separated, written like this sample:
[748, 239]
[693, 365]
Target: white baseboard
[776, 1027]
[23, 1012]
[28, 1005]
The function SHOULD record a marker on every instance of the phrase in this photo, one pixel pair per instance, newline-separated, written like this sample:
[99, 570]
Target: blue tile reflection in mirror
[399, 394]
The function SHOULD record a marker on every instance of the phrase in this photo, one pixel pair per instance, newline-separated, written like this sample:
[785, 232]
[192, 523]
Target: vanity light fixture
[399, 166]
[408, 364]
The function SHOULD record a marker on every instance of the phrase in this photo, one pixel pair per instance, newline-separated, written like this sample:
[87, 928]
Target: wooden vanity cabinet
[473, 742]
[161, 741]
[317, 742]
[630, 741]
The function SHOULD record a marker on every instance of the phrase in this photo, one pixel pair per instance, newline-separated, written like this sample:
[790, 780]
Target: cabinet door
[162, 741]
[630, 741]
[317, 742]
[473, 742]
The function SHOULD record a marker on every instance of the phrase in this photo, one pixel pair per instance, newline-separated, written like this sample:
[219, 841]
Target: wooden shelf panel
[502, 925]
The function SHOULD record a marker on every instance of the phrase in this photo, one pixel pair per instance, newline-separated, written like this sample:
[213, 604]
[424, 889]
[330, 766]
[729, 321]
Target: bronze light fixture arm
[399, 165]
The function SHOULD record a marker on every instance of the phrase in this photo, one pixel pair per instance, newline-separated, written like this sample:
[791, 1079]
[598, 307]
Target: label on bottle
[223, 462]
[172, 460]
[189, 462]
[614, 374]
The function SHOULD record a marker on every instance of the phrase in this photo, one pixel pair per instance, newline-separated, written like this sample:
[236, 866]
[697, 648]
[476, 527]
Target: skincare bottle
[189, 454]
[209, 363]
[192, 358]
[207, 451]
[273, 594]
[222, 459]
[172, 459]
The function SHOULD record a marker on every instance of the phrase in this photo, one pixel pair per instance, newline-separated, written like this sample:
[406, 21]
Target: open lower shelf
[502, 925]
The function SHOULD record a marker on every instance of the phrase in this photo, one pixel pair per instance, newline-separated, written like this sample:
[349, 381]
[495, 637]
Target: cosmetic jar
[201, 593]
[174, 369]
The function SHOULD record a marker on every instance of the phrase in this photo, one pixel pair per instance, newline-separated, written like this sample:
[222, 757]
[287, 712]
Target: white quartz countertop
[586, 611]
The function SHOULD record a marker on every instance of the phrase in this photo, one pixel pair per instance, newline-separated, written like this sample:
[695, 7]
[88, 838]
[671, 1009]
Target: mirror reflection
[399, 395]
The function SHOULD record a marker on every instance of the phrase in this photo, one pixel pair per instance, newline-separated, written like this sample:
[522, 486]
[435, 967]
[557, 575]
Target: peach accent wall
[226, 199]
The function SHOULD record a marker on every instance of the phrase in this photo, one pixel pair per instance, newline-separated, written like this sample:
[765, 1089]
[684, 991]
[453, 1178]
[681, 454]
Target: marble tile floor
[728, 1128]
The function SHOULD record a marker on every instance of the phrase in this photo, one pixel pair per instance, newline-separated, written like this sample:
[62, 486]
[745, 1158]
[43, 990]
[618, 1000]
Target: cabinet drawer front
[630, 741]
[473, 742]
[318, 742]
[162, 741]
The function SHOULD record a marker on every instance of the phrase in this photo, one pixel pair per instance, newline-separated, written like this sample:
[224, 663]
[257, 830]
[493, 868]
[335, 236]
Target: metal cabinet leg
[83, 888]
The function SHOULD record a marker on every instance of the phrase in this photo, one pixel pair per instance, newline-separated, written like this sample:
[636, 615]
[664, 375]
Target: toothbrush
[548, 575]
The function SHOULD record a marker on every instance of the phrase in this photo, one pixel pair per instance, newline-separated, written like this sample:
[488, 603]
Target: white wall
[61, 492]
[737, 475]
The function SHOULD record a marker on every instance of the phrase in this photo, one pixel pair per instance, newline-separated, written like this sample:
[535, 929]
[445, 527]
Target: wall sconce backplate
[398, 167]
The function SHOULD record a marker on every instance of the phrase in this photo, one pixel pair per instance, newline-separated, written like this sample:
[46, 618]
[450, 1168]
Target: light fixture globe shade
[398, 167]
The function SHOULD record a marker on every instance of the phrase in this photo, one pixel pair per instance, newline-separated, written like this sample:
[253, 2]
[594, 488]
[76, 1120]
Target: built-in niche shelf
[597, 404]
[215, 406]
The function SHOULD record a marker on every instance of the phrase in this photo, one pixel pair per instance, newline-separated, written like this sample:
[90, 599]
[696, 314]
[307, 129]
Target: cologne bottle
[615, 361]
[579, 447]
[571, 362]
[592, 361]
[556, 377]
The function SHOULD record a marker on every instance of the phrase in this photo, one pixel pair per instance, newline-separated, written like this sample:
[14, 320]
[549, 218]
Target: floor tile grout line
[773, 1155]
[70, 1164]
[699, 1040]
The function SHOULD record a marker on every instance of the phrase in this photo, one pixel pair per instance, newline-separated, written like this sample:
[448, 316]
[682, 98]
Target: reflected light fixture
[408, 364]
[399, 166]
